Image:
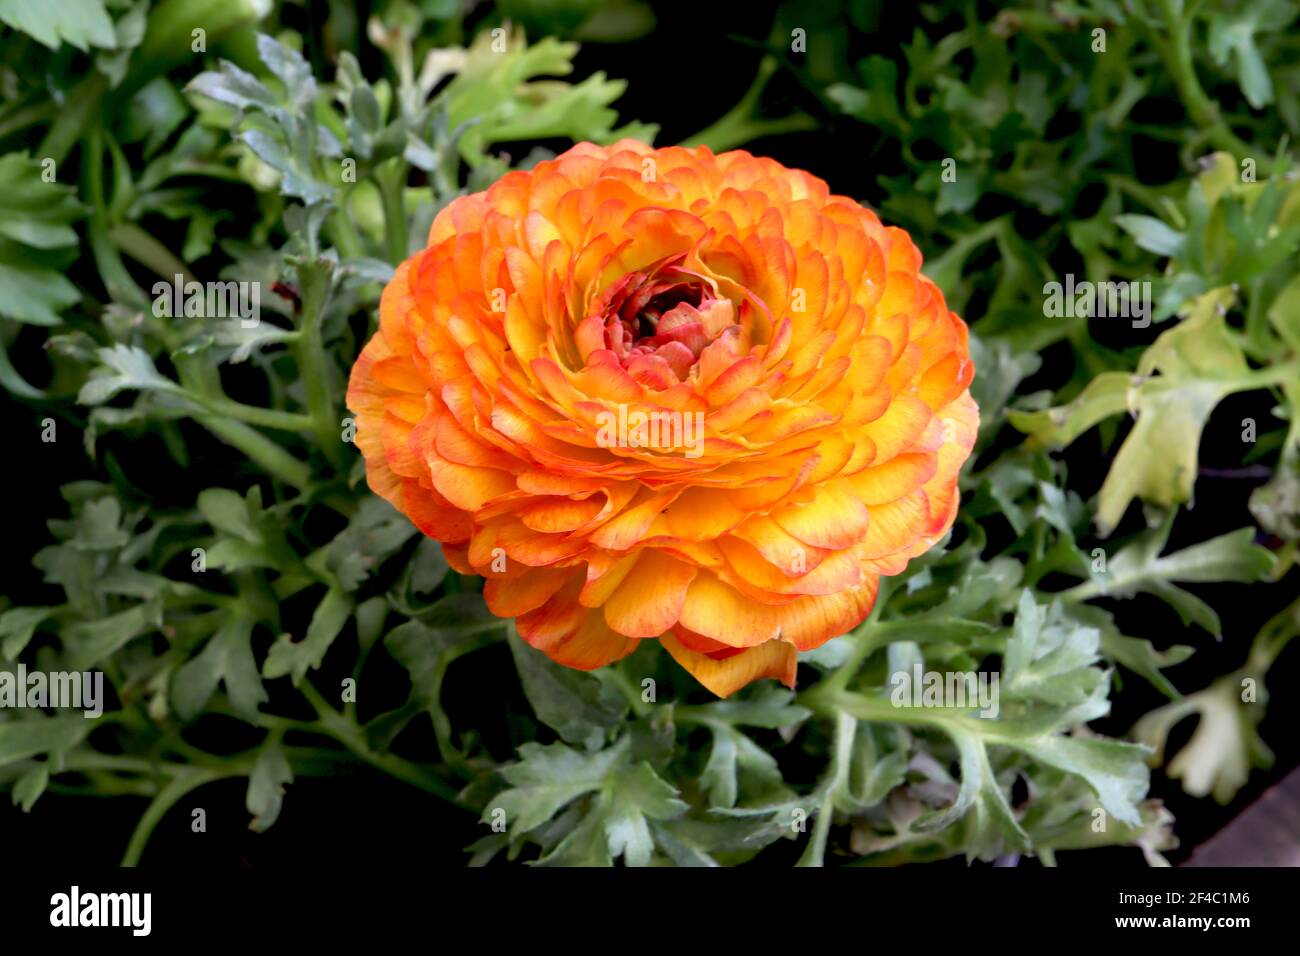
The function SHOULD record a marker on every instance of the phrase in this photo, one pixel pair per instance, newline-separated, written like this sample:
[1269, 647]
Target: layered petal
[666, 394]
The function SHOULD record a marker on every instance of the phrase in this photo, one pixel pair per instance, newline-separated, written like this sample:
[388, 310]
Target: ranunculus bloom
[663, 394]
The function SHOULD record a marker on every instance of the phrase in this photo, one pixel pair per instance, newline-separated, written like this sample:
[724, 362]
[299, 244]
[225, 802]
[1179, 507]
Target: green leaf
[271, 774]
[638, 795]
[33, 294]
[29, 787]
[91, 642]
[581, 707]
[878, 765]
[419, 644]
[37, 241]
[128, 32]
[99, 526]
[375, 533]
[546, 779]
[990, 826]
[770, 707]
[1113, 769]
[17, 625]
[298, 180]
[1138, 655]
[296, 658]
[122, 368]
[586, 844]
[1049, 657]
[279, 128]
[31, 737]
[1232, 36]
[1001, 370]
[1180, 379]
[1225, 745]
[227, 658]
[626, 795]
[1152, 234]
[501, 95]
[1139, 567]
[231, 513]
[1199, 365]
[82, 23]
[232, 342]
[156, 111]
[733, 756]
[289, 68]
[1106, 395]
[249, 535]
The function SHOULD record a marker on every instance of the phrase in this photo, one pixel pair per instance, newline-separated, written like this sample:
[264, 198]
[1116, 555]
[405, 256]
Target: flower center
[657, 322]
[643, 326]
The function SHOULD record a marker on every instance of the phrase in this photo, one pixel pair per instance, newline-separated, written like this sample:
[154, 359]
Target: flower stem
[313, 362]
[1177, 54]
[392, 187]
[739, 125]
[256, 415]
[350, 735]
[836, 776]
[182, 783]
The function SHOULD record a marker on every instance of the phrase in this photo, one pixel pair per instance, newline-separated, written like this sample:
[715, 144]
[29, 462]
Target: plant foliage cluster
[133, 151]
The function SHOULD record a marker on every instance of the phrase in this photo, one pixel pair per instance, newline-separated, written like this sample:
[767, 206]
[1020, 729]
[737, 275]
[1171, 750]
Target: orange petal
[530, 590]
[726, 676]
[833, 519]
[649, 599]
[894, 478]
[720, 612]
[592, 644]
[896, 525]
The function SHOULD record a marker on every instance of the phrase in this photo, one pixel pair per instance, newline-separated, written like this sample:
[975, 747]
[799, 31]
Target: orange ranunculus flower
[658, 393]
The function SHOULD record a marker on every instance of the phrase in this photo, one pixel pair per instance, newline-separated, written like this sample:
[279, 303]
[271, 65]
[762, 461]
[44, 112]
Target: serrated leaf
[289, 67]
[226, 658]
[82, 23]
[296, 658]
[501, 94]
[638, 795]
[1049, 657]
[1232, 36]
[1218, 757]
[127, 34]
[1138, 655]
[990, 826]
[122, 368]
[271, 774]
[546, 779]
[89, 643]
[37, 241]
[375, 533]
[1139, 567]
[31, 737]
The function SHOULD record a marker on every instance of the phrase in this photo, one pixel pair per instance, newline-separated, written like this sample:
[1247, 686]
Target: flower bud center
[664, 313]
